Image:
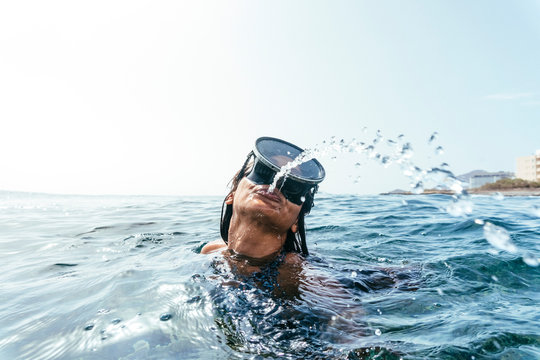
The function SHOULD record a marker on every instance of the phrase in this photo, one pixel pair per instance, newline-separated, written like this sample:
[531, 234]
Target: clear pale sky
[168, 97]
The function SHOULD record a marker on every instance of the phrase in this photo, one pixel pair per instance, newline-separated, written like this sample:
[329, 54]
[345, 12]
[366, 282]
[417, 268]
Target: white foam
[499, 238]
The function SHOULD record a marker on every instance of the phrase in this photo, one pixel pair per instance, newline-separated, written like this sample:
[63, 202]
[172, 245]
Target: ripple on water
[384, 280]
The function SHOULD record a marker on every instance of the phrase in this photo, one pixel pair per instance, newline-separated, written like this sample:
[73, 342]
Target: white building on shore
[528, 167]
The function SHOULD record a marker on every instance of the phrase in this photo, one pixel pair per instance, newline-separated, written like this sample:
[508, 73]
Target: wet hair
[295, 242]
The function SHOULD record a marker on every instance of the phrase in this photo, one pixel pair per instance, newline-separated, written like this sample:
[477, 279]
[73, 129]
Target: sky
[168, 97]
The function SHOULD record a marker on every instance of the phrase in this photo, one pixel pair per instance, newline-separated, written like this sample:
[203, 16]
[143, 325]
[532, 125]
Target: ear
[229, 199]
[294, 227]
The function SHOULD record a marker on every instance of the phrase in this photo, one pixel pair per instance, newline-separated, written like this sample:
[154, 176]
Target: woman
[259, 222]
[264, 241]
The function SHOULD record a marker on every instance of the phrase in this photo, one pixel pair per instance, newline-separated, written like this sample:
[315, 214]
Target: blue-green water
[388, 277]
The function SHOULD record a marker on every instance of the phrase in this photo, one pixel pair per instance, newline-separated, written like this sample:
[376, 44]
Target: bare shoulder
[293, 259]
[213, 246]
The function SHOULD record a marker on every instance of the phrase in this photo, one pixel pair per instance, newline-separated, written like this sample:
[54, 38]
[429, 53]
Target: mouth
[272, 196]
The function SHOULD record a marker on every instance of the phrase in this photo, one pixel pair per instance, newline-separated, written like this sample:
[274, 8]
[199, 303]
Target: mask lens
[275, 153]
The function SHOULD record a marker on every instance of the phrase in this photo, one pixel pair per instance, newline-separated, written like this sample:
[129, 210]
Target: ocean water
[388, 277]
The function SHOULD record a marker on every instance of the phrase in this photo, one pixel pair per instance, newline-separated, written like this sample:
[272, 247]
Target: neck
[252, 238]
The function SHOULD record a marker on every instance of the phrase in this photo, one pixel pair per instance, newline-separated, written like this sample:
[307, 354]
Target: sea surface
[388, 277]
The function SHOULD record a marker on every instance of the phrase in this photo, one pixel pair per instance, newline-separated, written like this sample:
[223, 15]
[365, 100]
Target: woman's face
[271, 209]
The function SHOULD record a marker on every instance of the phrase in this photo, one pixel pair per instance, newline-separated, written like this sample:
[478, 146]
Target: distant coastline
[479, 191]
[506, 187]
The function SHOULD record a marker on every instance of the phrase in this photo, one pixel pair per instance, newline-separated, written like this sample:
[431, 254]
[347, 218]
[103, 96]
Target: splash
[388, 152]
[499, 238]
[399, 152]
[530, 259]
[459, 207]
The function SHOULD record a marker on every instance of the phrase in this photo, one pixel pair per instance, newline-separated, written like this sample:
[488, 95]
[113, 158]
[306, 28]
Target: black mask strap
[242, 171]
[226, 214]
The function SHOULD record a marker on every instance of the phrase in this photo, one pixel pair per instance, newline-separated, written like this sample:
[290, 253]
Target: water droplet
[494, 278]
[530, 259]
[440, 292]
[498, 196]
[461, 207]
[165, 317]
[404, 202]
[303, 199]
[479, 221]
[457, 187]
[353, 274]
[498, 237]
[116, 321]
[358, 164]
[406, 151]
[433, 137]
[378, 332]
[89, 327]
[418, 188]
[536, 210]
[194, 299]
[439, 150]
